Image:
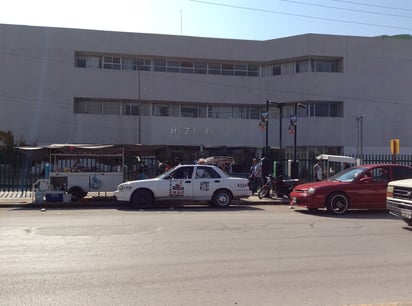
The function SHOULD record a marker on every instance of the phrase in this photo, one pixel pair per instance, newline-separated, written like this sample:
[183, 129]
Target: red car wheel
[338, 203]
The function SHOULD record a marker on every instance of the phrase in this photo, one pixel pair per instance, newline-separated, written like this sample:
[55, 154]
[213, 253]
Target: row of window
[166, 65]
[308, 65]
[134, 108]
[207, 67]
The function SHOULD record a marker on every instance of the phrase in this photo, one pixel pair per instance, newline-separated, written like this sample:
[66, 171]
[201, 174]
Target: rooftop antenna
[181, 22]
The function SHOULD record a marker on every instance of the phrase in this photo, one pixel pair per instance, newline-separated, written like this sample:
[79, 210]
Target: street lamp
[294, 166]
[280, 106]
[267, 130]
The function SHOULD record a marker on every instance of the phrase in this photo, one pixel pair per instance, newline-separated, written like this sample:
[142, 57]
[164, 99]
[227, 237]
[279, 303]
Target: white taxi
[185, 183]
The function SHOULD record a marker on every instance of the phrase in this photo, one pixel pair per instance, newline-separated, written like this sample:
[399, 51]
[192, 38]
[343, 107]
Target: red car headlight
[311, 190]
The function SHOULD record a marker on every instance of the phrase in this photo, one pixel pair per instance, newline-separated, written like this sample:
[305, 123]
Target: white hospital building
[168, 92]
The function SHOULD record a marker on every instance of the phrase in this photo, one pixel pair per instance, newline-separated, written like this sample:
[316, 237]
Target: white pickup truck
[399, 199]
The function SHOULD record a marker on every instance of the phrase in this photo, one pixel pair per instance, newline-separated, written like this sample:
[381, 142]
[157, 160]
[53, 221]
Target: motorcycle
[277, 185]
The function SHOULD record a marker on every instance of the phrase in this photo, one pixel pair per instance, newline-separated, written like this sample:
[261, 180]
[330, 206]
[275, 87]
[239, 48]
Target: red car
[360, 187]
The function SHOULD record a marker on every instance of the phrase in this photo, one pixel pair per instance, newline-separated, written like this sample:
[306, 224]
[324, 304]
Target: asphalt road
[245, 255]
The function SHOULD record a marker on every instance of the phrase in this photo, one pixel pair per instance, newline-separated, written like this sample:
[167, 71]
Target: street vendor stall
[223, 162]
[77, 169]
[335, 163]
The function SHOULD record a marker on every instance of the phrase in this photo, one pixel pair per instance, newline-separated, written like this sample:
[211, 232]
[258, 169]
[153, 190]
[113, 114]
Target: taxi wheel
[337, 203]
[407, 221]
[77, 193]
[142, 199]
[222, 198]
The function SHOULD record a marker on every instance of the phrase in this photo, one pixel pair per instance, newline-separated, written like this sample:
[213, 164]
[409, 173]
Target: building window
[277, 70]
[214, 68]
[88, 61]
[161, 110]
[200, 67]
[220, 112]
[173, 66]
[80, 106]
[323, 66]
[240, 69]
[159, 65]
[166, 110]
[143, 64]
[305, 65]
[81, 61]
[130, 63]
[186, 67]
[302, 66]
[111, 108]
[93, 107]
[253, 70]
[130, 109]
[204, 67]
[105, 107]
[203, 111]
[288, 68]
[247, 112]
[227, 69]
[333, 109]
[166, 65]
[315, 109]
[318, 65]
[229, 111]
[111, 62]
[87, 106]
[191, 111]
[319, 110]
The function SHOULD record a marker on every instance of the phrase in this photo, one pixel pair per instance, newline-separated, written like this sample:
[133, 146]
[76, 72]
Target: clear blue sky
[239, 19]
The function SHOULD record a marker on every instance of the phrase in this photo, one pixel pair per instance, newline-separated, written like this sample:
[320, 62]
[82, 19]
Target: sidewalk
[25, 197]
[15, 197]
[256, 201]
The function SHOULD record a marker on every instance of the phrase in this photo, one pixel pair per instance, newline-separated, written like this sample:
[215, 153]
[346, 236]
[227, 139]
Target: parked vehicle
[361, 187]
[185, 183]
[78, 169]
[278, 186]
[334, 163]
[399, 199]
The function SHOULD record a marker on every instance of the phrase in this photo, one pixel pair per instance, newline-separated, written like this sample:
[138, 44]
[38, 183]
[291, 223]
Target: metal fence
[305, 165]
[19, 171]
[15, 171]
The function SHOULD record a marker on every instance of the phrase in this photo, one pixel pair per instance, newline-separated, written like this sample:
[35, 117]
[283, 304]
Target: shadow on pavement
[351, 214]
[125, 206]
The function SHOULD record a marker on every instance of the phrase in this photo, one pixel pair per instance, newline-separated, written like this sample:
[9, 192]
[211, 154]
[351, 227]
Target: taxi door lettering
[176, 188]
[204, 186]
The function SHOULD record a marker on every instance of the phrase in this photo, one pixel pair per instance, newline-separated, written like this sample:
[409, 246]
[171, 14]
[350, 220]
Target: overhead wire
[302, 15]
[346, 9]
[374, 5]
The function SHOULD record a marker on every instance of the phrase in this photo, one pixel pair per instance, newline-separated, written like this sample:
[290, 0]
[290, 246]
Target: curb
[18, 198]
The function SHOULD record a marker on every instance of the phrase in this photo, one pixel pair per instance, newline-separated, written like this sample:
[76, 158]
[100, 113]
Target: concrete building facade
[63, 85]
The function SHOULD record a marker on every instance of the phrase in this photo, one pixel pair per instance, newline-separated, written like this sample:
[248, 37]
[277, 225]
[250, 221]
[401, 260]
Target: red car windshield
[347, 175]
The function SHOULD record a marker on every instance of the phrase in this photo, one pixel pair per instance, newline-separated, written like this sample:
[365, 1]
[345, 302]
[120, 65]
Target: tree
[6, 140]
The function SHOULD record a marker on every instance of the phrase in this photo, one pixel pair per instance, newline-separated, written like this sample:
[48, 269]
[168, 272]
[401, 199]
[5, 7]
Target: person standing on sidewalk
[255, 176]
[317, 171]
